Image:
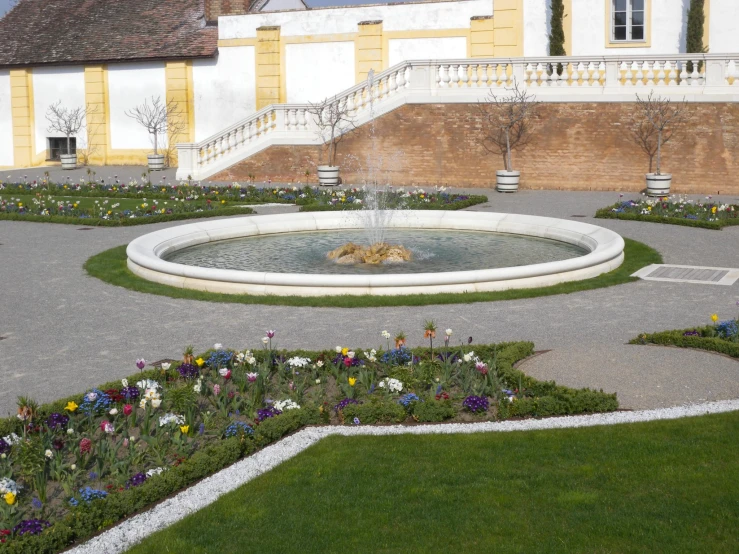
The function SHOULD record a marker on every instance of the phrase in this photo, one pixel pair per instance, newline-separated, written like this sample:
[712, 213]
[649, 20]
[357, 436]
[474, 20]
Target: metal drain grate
[688, 274]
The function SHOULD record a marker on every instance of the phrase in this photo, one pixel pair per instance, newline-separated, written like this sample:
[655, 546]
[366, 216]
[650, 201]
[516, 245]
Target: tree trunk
[155, 144]
[69, 145]
[659, 152]
[508, 150]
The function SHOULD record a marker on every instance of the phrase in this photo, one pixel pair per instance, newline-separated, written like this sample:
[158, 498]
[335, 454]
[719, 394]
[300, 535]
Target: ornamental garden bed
[75, 466]
[141, 202]
[722, 337]
[675, 210]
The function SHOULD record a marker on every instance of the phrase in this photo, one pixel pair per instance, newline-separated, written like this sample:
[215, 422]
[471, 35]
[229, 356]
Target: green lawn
[110, 266]
[669, 486]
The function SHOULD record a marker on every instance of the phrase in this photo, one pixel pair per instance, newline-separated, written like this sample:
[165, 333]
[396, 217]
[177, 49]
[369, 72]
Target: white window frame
[629, 23]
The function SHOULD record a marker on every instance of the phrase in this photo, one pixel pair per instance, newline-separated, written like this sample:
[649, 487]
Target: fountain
[350, 253]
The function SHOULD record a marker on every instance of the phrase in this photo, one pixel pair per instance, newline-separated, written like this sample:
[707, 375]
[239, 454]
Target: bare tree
[67, 121]
[507, 122]
[656, 121]
[334, 120]
[153, 117]
[176, 127]
[86, 146]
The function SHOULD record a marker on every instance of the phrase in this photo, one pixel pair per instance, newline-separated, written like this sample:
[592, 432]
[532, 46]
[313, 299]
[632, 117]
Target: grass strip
[110, 266]
[663, 486]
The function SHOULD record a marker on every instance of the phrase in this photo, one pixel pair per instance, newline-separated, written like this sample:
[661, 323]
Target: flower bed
[77, 465]
[676, 210]
[139, 202]
[721, 337]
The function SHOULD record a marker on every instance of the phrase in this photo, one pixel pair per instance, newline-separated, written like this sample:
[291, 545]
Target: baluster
[463, 76]
[400, 79]
[473, 75]
[537, 75]
[669, 70]
[453, 75]
[695, 76]
[439, 79]
[659, 69]
[292, 119]
[639, 74]
[302, 119]
[546, 76]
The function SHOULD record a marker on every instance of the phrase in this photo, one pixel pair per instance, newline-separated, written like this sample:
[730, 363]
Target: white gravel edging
[132, 531]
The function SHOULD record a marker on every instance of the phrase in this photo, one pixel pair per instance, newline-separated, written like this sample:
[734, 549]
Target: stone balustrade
[694, 77]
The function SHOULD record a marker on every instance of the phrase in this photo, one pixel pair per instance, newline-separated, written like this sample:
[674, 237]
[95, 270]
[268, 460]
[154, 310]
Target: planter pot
[659, 185]
[69, 161]
[156, 162]
[507, 181]
[328, 175]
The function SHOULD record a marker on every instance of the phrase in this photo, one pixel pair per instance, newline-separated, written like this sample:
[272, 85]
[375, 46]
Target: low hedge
[459, 205]
[124, 222]
[678, 338]
[608, 213]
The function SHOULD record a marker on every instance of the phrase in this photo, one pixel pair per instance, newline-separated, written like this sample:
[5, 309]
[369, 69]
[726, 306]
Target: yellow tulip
[352, 381]
[344, 351]
[184, 429]
[714, 318]
[200, 362]
[71, 407]
[9, 498]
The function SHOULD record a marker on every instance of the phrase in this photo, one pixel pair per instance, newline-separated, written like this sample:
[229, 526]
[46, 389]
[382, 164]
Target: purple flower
[265, 413]
[344, 403]
[57, 421]
[36, 503]
[476, 404]
[31, 527]
[136, 480]
[4, 446]
[271, 334]
[188, 371]
[356, 421]
[130, 393]
[141, 363]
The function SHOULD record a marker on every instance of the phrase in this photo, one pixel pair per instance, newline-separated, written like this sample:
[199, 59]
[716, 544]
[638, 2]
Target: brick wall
[214, 8]
[576, 146]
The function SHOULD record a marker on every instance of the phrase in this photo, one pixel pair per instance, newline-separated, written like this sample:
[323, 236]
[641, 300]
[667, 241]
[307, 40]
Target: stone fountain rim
[145, 255]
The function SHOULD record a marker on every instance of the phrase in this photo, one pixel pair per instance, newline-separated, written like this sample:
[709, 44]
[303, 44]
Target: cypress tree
[557, 35]
[696, 20]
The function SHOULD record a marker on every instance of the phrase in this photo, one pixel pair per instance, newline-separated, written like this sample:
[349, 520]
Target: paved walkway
[64, 331]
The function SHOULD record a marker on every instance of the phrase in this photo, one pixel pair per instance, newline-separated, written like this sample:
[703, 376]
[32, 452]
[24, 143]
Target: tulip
[71, 406]
[216, 389]
[141, 363]
[352, 381]
[251, 377]
[127, 409]
[271, 334]
[714, 318]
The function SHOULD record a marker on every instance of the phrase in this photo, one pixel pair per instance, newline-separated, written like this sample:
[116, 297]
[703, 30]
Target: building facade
[218, 63]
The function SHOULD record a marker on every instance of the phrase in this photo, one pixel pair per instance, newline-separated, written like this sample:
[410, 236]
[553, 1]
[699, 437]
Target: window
[628, 23]
[58, 146]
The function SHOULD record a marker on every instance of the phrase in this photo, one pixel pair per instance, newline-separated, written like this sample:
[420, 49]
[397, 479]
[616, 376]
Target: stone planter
[69, 161]
[658, 185]
[507, 181]
[328, 175]
[156, 162]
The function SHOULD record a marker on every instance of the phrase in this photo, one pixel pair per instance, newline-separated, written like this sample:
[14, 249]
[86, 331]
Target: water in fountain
[376, 213]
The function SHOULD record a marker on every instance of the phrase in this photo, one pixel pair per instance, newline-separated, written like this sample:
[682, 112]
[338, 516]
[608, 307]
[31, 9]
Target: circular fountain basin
[145, 255]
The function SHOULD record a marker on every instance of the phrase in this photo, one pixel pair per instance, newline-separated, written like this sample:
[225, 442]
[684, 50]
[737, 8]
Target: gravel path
[63, 331]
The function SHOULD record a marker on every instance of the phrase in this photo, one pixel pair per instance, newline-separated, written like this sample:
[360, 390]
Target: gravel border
[132, 531]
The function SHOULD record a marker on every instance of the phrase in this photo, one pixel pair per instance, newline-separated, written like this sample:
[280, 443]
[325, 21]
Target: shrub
[433, 411]
[375, 411]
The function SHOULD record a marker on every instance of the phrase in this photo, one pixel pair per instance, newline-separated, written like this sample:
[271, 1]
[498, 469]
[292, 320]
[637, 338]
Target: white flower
[73, 467]
[114, 411]
[3, 455]
[156, 402]
[223, 371]
[350, 355]
[371, 355]
[131, 438]
[166, 365]
[148, 384]
[469, 356]
[124, 382]
[448, 332]
[298, 362]
[318, 381]
[197, 387]
[319, 363]
[142, 404]
[12, 439]
[171, 418]
[284, 405]
[251, 360]
[155, 471]
[218, 346]
[386, 334]
[393, 385]
[70, 431]
[338, 349]
[8, 486]
[49, 454]
[240, 357]
[265, 340]
[91, 396]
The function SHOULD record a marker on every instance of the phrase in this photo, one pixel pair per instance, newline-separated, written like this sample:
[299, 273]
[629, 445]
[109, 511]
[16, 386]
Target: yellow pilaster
[96, 93]
[508, 26]
[482, 37]
[706, 24]
[178, 78]
[368, 49]
[268, 66]
[21, 102]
